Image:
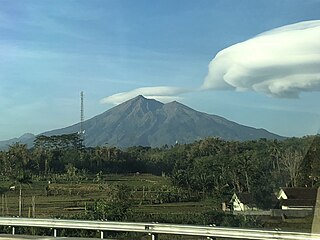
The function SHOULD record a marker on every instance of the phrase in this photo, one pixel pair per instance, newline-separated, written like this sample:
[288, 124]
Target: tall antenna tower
[81, 113]
[82, 131]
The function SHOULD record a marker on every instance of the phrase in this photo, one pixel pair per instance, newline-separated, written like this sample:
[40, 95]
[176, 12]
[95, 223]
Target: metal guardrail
[154, 229]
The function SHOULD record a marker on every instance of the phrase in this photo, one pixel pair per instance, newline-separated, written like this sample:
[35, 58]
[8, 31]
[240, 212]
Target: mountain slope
[147, 122]
[26, 138]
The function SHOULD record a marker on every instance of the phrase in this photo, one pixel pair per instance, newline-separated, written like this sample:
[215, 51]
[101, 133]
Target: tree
[71, 172]
[183, 179]
[54, 152]
[310, 166]
[18, 156]
[291, 160]
[62, 142]
[116, 207]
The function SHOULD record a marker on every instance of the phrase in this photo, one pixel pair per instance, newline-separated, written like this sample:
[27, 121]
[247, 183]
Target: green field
[67, 199]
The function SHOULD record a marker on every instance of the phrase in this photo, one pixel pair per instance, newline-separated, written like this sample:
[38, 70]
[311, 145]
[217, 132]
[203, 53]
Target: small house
[243, 202]
[297, 198]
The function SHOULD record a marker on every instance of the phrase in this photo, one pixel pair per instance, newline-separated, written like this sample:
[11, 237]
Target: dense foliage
[207, 167]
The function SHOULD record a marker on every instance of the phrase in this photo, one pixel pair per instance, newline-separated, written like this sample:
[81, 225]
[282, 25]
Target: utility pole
[33, 203]
[2, 204]
[20, 200]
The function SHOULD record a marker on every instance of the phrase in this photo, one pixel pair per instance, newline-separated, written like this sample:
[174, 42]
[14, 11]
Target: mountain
[26, 138]
[147, 122]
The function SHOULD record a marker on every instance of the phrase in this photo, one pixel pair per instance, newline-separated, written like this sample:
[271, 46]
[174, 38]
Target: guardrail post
[13, 230]
[154, 236]
[54, 232]
[101, 234]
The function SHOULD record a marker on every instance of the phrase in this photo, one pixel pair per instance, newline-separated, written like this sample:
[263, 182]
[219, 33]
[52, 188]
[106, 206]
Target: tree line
[212, 166]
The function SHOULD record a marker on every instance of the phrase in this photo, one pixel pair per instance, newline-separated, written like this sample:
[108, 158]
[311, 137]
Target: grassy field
[68, 198]
[64, 198]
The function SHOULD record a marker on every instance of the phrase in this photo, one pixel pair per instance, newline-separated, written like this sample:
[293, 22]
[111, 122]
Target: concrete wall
[253, 213]
[291, 213]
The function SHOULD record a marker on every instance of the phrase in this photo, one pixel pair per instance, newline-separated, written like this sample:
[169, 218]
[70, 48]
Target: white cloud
[162, 94]
[282, 62]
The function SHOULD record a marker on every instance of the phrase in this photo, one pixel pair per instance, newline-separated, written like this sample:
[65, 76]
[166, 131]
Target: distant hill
[147, 122]
[26, 138]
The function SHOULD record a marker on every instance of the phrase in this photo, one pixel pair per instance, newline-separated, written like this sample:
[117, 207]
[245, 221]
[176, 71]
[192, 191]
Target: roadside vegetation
[185, 183]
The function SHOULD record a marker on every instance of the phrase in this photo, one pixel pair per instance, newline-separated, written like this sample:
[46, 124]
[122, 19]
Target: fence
[154, 229]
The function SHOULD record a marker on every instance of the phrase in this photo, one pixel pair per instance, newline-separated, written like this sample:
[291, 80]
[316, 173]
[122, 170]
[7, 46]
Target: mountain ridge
[148, 122]
[26, 138]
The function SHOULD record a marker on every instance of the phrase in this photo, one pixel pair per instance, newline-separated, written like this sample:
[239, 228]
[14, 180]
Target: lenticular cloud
[162, 93]
[282, 62]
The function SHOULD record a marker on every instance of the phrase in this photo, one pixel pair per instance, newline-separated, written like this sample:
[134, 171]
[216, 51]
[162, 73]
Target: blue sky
[50, 50]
